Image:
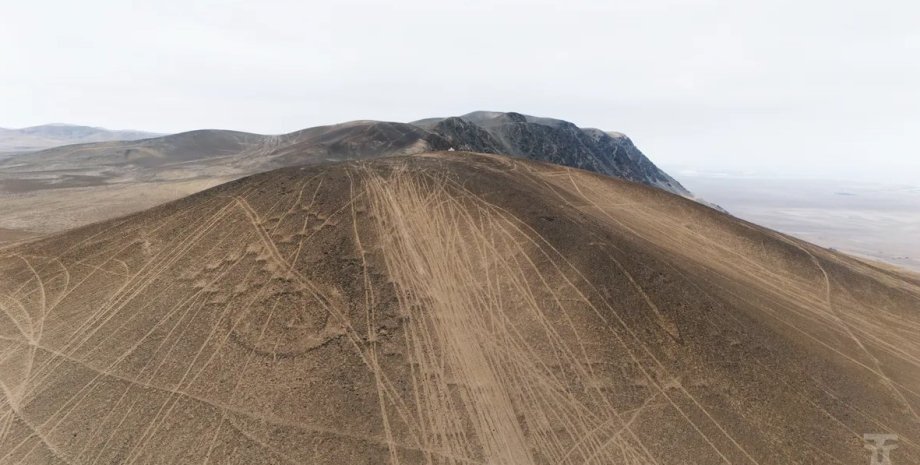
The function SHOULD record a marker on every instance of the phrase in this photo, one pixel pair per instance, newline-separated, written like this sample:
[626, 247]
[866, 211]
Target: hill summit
[449, 308]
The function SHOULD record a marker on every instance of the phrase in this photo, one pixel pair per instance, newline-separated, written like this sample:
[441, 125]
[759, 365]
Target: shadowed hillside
[552, 140]
[449, 308]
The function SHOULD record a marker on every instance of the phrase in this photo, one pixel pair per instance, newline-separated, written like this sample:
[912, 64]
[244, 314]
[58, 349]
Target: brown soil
[449, 308]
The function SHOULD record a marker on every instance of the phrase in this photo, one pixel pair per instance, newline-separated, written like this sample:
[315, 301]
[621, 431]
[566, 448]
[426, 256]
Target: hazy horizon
[806, 89]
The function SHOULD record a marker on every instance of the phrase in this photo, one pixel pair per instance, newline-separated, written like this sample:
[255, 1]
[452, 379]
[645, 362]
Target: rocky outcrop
[553, 141]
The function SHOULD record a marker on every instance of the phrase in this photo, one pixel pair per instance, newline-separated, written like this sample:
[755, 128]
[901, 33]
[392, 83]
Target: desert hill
[552, 140]
[190, 154]
[65, 187]
[449, 308]
[54, 135]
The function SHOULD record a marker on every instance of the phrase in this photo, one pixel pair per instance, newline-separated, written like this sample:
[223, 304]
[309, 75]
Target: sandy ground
[8, 236]
[449, 309]
[29, 212]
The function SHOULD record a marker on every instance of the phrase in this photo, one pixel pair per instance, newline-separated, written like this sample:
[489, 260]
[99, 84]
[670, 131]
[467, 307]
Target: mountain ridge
[495, 132]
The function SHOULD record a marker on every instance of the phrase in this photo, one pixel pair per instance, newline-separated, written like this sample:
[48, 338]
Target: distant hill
[204, 152]
[552, 140]
[65, 187]
[55, 135]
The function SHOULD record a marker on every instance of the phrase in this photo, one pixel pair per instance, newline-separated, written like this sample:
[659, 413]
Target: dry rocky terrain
[449, 308]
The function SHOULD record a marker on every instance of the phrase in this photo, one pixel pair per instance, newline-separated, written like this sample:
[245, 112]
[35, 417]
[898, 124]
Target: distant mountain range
[55, 135]
[203, 152]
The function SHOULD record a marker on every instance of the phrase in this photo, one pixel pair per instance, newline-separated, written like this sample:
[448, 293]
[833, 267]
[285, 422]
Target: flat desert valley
[869, 219]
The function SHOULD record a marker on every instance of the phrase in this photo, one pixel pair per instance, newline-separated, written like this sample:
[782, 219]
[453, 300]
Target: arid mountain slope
[64, 187]
[512, 134]
[72, 186]
[552, 140]
[449, 308]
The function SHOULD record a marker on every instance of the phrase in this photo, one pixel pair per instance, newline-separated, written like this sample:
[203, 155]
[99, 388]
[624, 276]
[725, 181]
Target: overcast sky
[804, 87]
